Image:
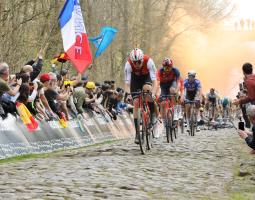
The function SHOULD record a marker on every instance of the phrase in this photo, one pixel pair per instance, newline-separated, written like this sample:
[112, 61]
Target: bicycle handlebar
[188, 101]
[142, 92]
[168, 95]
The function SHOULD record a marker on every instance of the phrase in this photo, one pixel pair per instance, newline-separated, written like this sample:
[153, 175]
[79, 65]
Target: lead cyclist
[140, 74]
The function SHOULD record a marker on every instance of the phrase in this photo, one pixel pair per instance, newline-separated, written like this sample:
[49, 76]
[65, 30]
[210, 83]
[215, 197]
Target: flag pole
[44, 44]
[94, 57]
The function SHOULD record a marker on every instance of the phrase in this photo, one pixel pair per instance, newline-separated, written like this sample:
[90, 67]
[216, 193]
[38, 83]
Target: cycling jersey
[212, 97]
[137, 78]
[164, 76]
[167, 79]
[191, 89]
[225, 101]
[148, 68]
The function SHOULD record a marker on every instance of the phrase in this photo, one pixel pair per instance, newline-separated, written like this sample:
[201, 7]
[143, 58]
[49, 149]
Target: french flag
[75, 40]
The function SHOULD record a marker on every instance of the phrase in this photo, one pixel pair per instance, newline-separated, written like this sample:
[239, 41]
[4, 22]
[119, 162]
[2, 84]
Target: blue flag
[105, 38]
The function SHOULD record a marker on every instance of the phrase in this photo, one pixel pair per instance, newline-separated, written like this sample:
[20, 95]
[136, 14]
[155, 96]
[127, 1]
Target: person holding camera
[249, 83]
[247, 91]
[249, 136]
[6, 89]
[242, 94]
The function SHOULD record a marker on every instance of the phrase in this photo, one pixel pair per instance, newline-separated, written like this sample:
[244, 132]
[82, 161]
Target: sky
[245, 8]
[218, 55]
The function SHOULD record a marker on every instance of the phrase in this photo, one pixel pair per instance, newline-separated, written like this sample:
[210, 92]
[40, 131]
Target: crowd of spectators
[57, 94]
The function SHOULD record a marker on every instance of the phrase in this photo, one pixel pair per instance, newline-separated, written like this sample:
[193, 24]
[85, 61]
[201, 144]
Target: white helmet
[192, 73]
[136, 55]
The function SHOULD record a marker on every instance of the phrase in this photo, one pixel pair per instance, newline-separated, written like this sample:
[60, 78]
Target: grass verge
[54, 153]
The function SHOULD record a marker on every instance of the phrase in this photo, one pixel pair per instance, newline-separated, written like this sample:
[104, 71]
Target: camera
[241, 126]
[240, 86]
[119, 90]
[105, 87]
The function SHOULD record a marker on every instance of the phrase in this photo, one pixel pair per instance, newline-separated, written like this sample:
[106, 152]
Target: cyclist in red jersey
[168, 79]
[140, 74]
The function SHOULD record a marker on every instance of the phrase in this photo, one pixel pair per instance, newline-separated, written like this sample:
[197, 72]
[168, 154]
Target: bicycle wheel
[142, 132]
[168, 131]
[148, 139]
[192, 122]
[175, 129]
[168, 125]
[171, 124]
[182, 126]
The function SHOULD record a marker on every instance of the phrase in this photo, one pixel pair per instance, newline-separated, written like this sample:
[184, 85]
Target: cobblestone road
[197, 167]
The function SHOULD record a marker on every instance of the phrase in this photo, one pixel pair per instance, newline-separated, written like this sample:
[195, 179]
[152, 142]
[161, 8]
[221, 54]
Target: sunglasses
[137, 62]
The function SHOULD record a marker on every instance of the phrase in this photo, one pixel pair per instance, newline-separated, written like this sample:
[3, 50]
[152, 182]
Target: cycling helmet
[192, 73]
[167, 62]
[90, 85]
[136, 55]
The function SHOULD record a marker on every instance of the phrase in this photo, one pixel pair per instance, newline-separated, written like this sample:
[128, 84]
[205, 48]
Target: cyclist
[140, 74]
[226, 105]
[192, 92]
[168, 81]
[212, 100]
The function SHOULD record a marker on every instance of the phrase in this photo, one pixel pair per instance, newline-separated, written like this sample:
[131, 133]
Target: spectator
[122, 105]
[4, 87]
[242, 93]
[249, 82]
[45, 78]
[36, 67]
[79, 96]
[242, 24]
[54, 98]
[248, 22]
[247, 135]
[90, 98]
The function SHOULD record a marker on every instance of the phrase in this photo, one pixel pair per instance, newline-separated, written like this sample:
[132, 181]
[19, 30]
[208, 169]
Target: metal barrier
[16, 140]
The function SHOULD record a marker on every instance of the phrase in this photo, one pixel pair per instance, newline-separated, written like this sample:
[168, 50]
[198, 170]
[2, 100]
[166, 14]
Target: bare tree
[153, 25]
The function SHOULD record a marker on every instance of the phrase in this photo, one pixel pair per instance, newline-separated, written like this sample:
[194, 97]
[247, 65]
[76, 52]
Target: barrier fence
[15, 139]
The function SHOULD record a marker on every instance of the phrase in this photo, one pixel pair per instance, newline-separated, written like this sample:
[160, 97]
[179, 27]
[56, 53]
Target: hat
[27, 68]
[90, 85]
[44, 77]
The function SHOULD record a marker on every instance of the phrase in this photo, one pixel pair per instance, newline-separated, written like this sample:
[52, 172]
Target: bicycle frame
[143, 105]
[144, 118]
[168, 114]
[193, 117]
[212, 110]
[169, 102]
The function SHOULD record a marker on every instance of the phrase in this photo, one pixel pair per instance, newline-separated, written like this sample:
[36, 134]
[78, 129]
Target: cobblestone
[191, 168]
